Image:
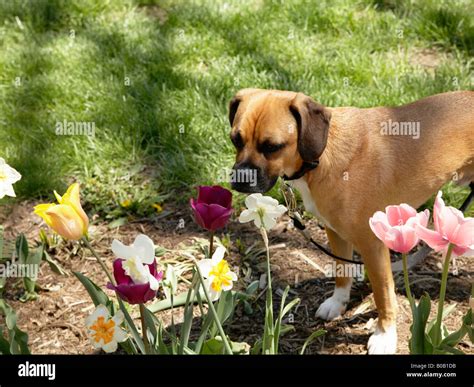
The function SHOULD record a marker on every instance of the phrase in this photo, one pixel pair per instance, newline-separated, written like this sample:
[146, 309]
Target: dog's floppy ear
[235, 102]
[312, 120]
[233, 106]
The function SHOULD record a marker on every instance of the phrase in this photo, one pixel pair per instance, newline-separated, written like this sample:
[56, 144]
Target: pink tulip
[450, 227]
[396, 227]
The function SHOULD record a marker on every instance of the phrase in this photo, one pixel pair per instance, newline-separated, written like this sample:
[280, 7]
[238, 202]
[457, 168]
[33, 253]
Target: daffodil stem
[442, 294]
[268, 342]
[144, 334]
[99, 260]
[214, 313]
[211, 243]
[407, 281]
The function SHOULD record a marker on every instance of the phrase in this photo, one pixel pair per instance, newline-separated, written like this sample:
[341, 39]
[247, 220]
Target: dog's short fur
[361, 169]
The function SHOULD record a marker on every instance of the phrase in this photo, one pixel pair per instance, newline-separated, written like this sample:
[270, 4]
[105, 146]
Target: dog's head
[274, 133]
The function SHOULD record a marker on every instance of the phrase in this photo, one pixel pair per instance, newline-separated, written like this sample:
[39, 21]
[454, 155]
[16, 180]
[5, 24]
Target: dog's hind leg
[335, 305]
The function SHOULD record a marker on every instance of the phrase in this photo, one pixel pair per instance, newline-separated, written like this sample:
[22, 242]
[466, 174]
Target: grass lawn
[155, 78]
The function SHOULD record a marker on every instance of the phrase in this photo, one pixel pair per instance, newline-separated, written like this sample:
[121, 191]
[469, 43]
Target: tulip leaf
[96, 293]
[179, 300]
[446, 312]
[17, 343]
[454, 338]
[22, 248]
[4, 346]
[55, 267]
[420, 342]
[33, 260]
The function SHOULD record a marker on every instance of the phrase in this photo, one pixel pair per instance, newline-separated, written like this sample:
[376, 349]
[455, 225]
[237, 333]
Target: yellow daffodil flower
[217, 273]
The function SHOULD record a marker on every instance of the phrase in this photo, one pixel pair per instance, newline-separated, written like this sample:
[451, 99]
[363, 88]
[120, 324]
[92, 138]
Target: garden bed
[55, 321]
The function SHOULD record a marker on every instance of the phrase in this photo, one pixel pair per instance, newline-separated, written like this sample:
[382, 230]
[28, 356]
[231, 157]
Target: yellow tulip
[67, 217]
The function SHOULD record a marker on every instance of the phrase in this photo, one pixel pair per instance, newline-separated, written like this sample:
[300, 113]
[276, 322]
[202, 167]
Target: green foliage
[424, 335]
[16, 341]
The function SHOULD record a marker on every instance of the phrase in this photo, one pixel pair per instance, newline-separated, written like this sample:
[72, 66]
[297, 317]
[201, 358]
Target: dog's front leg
[335, 305]
[377, 264]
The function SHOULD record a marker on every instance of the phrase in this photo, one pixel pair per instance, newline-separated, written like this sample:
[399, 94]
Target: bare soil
[55, 321]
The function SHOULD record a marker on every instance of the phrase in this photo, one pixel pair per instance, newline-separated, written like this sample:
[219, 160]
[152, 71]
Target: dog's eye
[237, 141]
[268, 148]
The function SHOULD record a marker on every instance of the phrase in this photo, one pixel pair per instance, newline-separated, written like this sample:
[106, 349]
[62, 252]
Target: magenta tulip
[396, 227]
[128, 290]
[213, 207]
[450, 227]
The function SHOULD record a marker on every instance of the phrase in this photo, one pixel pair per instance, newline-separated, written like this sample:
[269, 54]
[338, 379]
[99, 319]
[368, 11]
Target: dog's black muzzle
[248, 178]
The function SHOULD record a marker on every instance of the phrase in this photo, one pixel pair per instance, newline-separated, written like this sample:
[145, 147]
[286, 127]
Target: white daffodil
[136, 258]
[104, 331]
[8, 177]
[217, 273]
[263, 210]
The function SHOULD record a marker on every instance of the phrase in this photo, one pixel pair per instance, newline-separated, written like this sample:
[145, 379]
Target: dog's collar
[306, 167]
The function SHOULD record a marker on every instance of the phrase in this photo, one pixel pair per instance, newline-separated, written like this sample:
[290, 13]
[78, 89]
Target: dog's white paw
[335, 305]
[383, 342]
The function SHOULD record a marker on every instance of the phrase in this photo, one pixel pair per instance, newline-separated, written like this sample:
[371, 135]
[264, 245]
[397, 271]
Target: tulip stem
[442, 295]
[101, 263]
[407, 281]
[214, 313]
[145, 336]
[211, 243]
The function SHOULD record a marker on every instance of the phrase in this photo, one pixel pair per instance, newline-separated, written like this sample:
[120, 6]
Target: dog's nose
[244, 177]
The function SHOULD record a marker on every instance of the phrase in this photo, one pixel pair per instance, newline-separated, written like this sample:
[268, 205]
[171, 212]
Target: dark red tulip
[213, 207]
[128, 290]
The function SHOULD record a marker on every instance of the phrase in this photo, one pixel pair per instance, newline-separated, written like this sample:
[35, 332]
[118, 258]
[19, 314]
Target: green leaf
[252, 288]
[151, 323]
[55, 267]
[131, 325]
[311, 338]
[418, 342]
[284, 309]
[18, 340]
[4, 346]
[454, 338]
[21, 248]
[446, 312]
[225, 309]
[33, 260]
[215, 346]
[179, 300]
[95, 292]
[118, 222]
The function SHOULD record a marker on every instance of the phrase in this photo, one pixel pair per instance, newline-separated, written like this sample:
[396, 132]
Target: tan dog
[365, 164]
